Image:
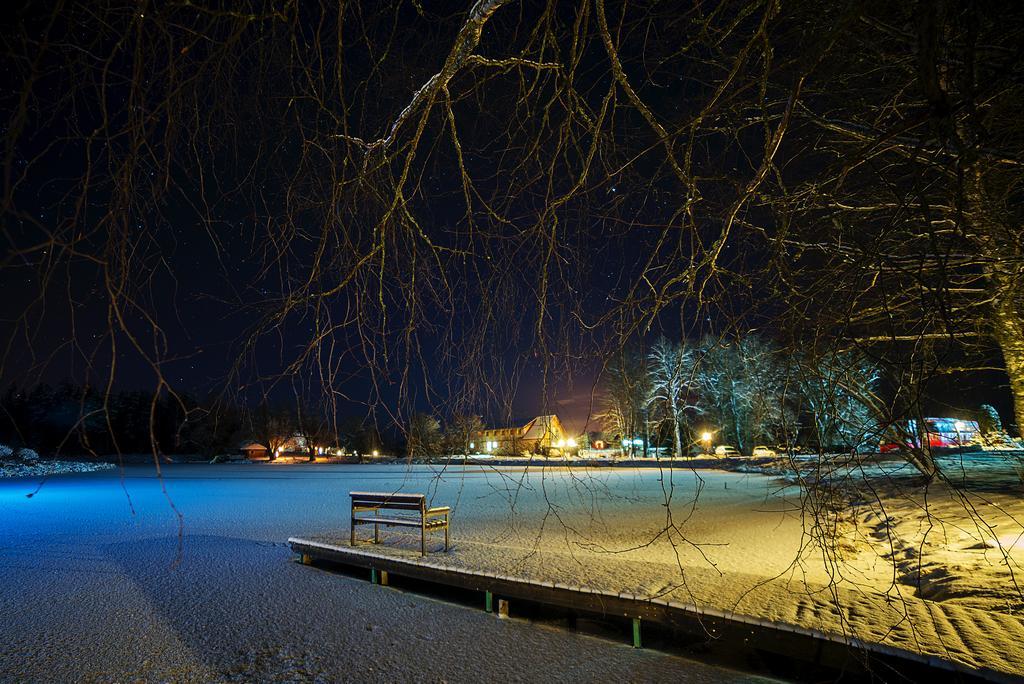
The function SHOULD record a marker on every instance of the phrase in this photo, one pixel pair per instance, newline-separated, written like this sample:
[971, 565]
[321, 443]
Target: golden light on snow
[1011, 543]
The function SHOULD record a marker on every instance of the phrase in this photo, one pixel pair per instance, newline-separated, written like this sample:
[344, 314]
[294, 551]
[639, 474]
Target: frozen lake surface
[188, 578]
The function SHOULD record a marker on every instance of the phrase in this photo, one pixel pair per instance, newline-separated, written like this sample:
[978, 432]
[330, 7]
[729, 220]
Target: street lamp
[705, 438]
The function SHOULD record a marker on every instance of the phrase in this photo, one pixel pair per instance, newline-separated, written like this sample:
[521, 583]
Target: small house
[539, 435]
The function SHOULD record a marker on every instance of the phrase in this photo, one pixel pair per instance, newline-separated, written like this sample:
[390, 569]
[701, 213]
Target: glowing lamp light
[375, 454]
[571, 443]
[561, 443]
[705, 437]
[472, 446]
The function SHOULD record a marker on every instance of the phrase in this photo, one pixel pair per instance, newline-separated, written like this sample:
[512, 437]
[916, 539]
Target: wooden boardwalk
[819, 649]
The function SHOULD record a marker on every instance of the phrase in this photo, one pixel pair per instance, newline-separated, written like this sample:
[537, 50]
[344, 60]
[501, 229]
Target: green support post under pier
[636, 633]
[373, 575]
[488, 602]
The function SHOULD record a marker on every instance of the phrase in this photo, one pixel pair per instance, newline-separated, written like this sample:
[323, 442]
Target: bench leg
[446, 535]
[353, 542]
[376, 533]
[423, 540]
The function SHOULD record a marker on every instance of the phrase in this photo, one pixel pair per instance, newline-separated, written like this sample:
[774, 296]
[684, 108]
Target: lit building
[540, 435]
[295, 444]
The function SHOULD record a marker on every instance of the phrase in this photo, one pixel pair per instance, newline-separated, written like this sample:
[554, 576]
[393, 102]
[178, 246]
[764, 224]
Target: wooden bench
[402, 510]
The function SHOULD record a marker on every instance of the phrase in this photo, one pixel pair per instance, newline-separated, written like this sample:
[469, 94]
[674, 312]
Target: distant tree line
[71, 419]
[748, 391]
[428, 437]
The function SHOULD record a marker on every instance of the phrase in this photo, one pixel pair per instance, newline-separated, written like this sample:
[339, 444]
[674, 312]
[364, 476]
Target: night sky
[244, 168]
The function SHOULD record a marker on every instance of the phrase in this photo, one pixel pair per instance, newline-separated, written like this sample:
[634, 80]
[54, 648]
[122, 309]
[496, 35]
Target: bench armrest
[439, 510]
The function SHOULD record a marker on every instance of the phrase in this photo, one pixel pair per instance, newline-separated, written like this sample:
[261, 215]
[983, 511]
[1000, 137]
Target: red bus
[939, 433]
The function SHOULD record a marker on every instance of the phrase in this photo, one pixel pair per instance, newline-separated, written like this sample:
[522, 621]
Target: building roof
[542, 426]
[538, 427]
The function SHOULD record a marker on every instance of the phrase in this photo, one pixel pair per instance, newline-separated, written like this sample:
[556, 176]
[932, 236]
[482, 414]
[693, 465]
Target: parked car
[726, 451]
[762, 452]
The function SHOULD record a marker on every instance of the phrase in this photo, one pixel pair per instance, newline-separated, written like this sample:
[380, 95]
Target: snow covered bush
[28, 455]
[5, 452]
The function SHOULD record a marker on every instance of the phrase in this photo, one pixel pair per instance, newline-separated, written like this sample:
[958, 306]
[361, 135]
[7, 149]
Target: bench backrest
[407, 502]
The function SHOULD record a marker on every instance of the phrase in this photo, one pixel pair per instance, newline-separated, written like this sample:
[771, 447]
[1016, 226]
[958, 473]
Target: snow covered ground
[102, 581]
[932, 572]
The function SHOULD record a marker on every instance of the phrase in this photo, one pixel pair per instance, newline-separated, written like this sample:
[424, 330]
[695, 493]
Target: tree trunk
[985, 203]
[677, 434]
[1007, 322]
[992, 226]
[1005, 278]
[736, 423]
